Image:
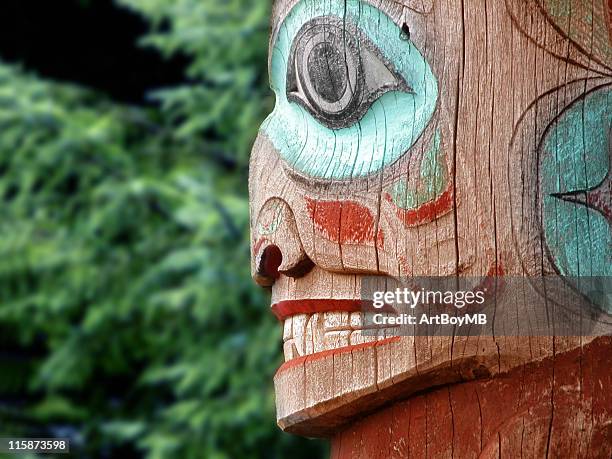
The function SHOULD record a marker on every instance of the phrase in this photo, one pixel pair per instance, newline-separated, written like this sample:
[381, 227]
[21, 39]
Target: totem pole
[439, 139]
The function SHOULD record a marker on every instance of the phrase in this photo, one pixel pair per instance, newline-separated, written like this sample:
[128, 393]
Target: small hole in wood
[405, 35]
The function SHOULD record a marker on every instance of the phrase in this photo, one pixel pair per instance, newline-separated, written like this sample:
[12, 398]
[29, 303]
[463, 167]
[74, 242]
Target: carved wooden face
[422, 138]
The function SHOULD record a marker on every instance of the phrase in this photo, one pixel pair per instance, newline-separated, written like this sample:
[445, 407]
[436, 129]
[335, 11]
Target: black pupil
[327, 71]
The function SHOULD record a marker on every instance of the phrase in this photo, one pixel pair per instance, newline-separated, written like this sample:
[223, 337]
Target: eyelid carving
[336, 73]
[317, 129]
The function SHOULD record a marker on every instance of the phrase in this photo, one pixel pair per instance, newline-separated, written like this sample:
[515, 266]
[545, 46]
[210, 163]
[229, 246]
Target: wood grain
[557, 407]
[497, 164]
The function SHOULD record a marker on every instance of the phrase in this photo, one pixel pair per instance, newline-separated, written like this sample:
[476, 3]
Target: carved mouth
[315, 326]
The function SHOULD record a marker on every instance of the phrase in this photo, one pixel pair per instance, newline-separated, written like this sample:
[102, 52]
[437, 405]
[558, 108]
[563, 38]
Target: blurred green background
[128, 319]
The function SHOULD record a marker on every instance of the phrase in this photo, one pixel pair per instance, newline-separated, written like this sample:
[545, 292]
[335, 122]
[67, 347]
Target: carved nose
[277, 248]
[271, 264]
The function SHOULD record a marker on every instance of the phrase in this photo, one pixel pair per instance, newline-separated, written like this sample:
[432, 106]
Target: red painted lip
[332, 352]
[288, 308]
[284, 309]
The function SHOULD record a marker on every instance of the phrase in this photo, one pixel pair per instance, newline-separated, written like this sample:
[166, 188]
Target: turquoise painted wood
[433, 179]
[391, 125]
[575, 158]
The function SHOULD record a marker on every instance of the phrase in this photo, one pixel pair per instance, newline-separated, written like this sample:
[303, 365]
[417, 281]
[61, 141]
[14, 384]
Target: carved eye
[336, 73]
[353, 92]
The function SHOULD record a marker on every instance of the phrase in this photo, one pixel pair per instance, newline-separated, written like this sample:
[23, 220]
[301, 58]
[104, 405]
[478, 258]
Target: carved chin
[333, 381]
[318, 392]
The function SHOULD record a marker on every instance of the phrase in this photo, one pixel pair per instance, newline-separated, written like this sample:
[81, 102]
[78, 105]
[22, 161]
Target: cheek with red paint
[425, 213]
[416, 199]
[345, 222]
[423, 197]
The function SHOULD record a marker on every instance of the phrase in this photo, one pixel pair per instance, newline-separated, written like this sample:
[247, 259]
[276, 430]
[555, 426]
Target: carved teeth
[357, 337]
[299, 329]
[290, 351]
[336, 320]
[287, 330]
[337, 339]
[356, 321]
[305, 334]
[308, 338]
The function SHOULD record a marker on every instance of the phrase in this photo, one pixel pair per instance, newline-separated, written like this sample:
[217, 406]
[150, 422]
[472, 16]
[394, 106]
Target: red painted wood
[559, 407]
[287, 308]
[345, 222]
[428, 212]
[341, 350]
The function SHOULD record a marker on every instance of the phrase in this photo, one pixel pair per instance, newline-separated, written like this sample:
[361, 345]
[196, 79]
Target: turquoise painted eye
[576, 189]
[353, 93]
[336, 73]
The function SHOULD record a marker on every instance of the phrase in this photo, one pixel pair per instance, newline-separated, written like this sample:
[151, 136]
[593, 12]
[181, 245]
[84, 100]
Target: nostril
[277, 249]
[267, 268]
[271, 260]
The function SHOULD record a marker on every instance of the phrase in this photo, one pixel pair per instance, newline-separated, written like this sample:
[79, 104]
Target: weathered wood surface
[551, 408]
[432, 138]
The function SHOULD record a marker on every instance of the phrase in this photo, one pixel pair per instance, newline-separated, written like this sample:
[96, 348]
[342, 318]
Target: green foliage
[127, 315]
[227, 40]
